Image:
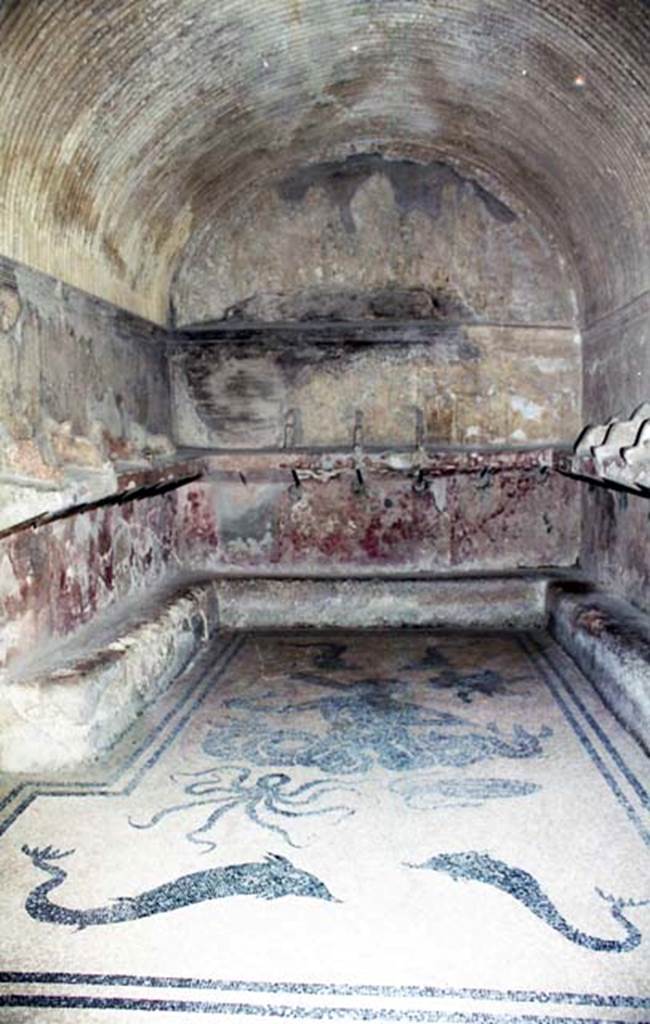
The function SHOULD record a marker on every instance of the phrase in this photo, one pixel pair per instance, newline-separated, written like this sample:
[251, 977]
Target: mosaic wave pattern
[388, 826]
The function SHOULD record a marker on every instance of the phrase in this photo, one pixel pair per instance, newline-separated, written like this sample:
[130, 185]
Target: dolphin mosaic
[269, 879]
[480, 867]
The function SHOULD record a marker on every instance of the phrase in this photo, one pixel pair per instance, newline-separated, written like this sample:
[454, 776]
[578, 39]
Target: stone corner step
[71, 703]
[610, 641]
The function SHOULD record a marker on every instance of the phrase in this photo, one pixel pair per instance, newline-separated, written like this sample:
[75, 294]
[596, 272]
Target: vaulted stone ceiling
[130, 126]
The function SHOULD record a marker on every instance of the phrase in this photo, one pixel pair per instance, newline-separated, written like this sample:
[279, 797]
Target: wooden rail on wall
[296, 464]
[131, 486]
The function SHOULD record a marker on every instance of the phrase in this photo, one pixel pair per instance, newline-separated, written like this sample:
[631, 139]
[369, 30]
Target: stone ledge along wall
[196, 156]
[465, 384]
[59, 576]
[471, 177]
[480, 352]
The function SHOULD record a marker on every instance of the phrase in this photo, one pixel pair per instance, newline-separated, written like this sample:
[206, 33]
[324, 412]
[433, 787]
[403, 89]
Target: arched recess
[129, 123]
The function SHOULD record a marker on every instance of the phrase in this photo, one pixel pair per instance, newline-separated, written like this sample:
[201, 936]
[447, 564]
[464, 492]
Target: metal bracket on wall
[358, 486]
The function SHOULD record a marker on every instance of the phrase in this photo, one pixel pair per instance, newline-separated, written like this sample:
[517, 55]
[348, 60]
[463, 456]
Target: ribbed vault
[130, 125]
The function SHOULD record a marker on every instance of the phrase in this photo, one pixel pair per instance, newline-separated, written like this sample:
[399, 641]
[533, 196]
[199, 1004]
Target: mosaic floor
[379, 826]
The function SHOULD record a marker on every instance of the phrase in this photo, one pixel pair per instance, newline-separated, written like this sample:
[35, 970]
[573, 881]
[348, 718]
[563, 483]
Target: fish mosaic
[466, 686]
[329, 656]
[366, 723]
[349, 728]
[432, 794]
[521, 885]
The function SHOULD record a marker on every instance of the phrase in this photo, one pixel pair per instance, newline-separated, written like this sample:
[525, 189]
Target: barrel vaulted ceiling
[128, 125]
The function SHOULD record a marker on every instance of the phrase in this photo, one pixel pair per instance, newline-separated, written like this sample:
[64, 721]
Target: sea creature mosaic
[269, 879]
[263, 799]
[466, 686]
[432, 794]
[329, 656]
[367, 722]
[353, 727]
[522, 886]
[303, 736]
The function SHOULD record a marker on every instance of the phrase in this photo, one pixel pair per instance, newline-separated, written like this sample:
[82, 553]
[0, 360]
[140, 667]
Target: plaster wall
[513, 519]
[84, 394]
[369, 236]
[83, 387]
[616, 525]
[466, 384]
[59, 576]
[483, 348]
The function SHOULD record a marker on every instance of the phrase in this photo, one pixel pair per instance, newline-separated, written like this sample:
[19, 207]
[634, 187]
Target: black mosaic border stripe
[286, 1012]
[36, 788]
[637, 786]
[545, 668]
[324, 989]
[203, 684]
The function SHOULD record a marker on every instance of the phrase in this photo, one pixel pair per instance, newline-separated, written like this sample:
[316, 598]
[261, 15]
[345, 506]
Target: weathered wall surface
[617, 361]
[467, 385]
[347, 239]
[405, 304]
[616, 526]
[509, 520]
[616, 542]
[59, 576]
[83, 386]
[55, 578]
[481, 309]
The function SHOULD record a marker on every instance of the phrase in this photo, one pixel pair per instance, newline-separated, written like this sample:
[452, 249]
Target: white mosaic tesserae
[356, 825]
